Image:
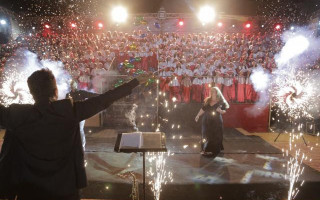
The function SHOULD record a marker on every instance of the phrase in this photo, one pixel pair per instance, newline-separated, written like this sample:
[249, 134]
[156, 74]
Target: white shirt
[178, 71]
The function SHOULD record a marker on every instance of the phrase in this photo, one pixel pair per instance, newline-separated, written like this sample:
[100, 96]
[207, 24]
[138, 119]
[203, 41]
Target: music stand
[281, 133]
[118, 149]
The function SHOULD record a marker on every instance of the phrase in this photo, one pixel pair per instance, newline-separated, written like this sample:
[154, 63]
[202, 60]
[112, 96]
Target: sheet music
[131, 140]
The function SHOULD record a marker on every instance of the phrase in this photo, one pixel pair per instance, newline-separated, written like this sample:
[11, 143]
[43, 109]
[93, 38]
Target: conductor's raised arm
[88, 108]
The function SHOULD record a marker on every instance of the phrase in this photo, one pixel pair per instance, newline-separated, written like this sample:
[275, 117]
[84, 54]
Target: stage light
[206, 14]
[292, 28]
[119, 14]
[47, 26]
[3, 22]
[277, 27]
[220, 24]
[181, 22]
[247, 25]
[262, 26]
[73, 25]
[100, 25]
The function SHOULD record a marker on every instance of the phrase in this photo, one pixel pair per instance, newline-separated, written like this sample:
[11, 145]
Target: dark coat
[80, 95]
[42, 145]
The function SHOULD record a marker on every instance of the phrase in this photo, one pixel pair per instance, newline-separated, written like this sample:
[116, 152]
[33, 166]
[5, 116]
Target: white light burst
[295, 93]
[14, 88]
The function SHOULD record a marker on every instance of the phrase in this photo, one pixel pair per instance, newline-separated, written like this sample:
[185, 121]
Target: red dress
[174, 88]
[197, 90]
[218, 79]
[241, 88]
[153, 61]
[249, 90]
[207, 88]
[229, 92]
[186, 87]
[144, 63]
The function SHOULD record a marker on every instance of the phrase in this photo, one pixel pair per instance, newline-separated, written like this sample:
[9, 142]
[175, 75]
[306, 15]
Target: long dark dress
[212, 128]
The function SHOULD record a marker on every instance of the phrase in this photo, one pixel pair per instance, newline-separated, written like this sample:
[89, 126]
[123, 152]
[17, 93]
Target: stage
[249, 169]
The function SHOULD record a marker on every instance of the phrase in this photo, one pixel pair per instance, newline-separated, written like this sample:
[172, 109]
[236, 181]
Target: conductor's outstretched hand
[143, 78]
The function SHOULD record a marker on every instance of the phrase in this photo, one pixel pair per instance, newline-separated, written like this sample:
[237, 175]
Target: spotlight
[73, 25]
[47, 26]
[119, 14]
[100, 25]
[3, 22]
[206, 15]
[181, 22]
[247, 25]
[277, 27]
[220, 24]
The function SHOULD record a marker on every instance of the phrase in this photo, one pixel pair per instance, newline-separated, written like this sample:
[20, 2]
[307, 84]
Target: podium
[142, 142]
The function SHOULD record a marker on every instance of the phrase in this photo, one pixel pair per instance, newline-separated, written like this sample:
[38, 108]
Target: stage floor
[249, 168]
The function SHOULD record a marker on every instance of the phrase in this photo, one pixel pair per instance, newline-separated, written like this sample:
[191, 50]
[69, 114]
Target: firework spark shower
[295, 90]
[158, 172]
[19, 67]
[292, 75]
[295, 85]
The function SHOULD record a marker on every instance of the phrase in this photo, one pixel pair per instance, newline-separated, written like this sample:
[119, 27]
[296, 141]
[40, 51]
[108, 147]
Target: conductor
[42, 155]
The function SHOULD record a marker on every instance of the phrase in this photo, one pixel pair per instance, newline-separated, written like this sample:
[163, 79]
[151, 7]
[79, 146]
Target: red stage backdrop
[238, 116]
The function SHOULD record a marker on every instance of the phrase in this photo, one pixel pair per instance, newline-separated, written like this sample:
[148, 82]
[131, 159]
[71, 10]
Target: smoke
[191, 7]
[301, 49]
[261, 80]
[19, 67]
[104, 81]
[131, 115]
[296, 45]
[62, 76]
[299, 52]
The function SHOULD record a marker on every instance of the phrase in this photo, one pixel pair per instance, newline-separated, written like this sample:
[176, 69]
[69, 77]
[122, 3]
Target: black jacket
[80, 95]
[42, 145]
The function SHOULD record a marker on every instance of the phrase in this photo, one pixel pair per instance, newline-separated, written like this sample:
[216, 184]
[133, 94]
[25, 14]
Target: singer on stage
[212, 124]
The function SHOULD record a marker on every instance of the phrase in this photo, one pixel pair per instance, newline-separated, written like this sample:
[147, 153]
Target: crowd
[187, 64]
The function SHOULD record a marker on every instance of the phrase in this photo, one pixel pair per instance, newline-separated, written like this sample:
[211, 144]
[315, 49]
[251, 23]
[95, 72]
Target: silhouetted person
[42, 156]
